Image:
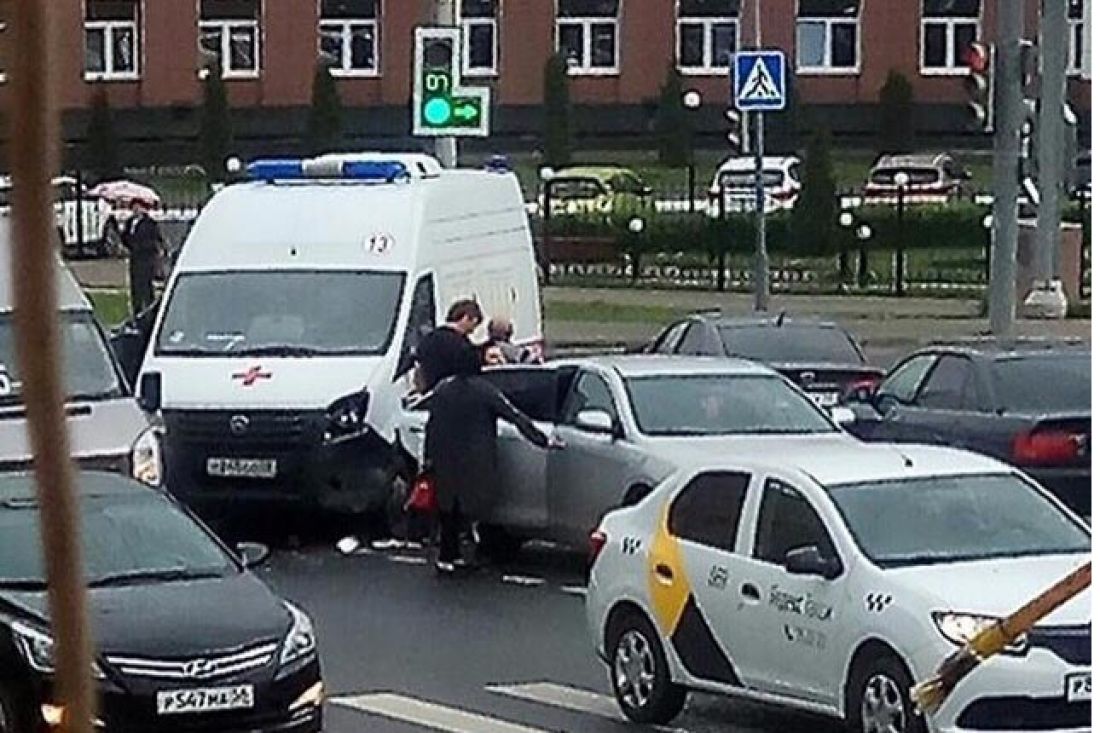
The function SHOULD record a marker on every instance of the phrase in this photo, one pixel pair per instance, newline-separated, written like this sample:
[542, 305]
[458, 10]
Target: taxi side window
[787, 522]
[589, 393]
[708, 509]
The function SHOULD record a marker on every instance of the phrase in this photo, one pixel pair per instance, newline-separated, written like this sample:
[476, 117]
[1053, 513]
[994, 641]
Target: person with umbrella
[143, 239]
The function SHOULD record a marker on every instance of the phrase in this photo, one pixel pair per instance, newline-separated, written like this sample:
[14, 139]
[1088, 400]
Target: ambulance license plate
[242, 467]
[1079, 687]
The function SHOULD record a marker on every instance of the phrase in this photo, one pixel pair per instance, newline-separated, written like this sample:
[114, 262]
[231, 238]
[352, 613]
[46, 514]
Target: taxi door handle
[750, 591]
[664, 573]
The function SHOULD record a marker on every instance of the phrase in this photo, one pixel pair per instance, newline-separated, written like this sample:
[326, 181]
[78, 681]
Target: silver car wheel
[635, 669]
[883, 708]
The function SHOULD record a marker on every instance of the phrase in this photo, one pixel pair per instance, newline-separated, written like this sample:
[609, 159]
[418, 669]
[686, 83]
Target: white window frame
[4, 38]
[708, 23]
[107, 27]
[226, 28]
[1078, 66]
[830, 22]
[584, 67]
[467, 26]
[343, 67]
[952, 23]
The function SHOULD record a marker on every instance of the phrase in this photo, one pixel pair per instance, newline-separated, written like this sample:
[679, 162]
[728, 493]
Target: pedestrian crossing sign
[759, 81]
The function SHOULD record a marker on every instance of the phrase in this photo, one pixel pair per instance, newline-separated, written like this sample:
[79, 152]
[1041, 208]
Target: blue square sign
[758, 81]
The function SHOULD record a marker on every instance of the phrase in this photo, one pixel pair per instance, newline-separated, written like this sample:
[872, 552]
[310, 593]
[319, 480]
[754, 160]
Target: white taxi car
[829, 580]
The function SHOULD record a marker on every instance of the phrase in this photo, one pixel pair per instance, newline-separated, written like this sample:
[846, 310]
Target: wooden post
[33, 139]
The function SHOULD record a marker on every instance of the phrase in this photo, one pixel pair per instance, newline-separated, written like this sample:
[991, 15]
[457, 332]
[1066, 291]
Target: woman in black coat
[460, 449]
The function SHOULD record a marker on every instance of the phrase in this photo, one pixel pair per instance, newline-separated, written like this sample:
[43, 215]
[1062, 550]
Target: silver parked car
[627, 422]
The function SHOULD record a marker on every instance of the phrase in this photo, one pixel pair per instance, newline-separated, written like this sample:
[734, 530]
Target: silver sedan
[627, 423]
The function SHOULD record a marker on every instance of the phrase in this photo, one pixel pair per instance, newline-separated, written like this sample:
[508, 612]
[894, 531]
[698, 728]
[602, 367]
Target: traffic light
[442, 107]
[979, 85]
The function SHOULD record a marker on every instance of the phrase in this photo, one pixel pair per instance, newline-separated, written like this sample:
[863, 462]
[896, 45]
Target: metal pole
[761, 274]
[446, 148]
[546, 214]
[1052, 99]
[899, 247]
[79, 211]
[1008, 103]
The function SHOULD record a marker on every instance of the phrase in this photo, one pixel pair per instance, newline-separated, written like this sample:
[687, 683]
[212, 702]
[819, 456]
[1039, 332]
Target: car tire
[878, 697]
[498, 544]
[639, 673]
[11, 720]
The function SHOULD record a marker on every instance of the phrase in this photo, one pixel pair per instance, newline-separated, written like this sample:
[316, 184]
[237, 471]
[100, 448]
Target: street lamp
[546, 176]
[987, 252]
[901, 180]
[863, 233]
[636, 226]
[691, 100]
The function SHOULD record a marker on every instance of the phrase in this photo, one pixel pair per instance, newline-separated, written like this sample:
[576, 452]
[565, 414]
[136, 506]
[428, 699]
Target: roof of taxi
[639, 365]
[69, 295]
[832, 464]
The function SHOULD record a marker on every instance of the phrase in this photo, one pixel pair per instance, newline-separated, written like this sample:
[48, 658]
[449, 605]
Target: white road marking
[573, 699]
[523, 580]
[575, 590]
[430, 715]
[408, 559]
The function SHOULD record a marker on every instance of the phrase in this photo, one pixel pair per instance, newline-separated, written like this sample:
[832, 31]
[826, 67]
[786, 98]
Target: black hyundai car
[187, 639]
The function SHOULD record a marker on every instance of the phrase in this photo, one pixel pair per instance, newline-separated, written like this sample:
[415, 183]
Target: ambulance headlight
[146, 458]
[347, 415]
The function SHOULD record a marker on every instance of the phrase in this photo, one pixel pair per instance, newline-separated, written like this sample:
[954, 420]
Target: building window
[707, 34]
[5, 38]
[828, 36]
[349, 36]
[479, 37]
[948, 27]
[1078, 38]
[588, 35]
[229, 35]
[111, 39]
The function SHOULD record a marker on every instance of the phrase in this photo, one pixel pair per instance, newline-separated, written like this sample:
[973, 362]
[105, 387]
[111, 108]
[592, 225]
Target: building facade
[148, 54]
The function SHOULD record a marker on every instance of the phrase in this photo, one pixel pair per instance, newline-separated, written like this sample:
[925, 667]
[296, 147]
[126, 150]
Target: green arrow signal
[466, 112]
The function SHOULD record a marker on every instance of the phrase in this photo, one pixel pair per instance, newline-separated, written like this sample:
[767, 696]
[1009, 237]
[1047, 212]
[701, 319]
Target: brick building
[147, 55]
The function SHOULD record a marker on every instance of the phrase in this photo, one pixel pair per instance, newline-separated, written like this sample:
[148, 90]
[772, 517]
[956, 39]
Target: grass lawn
[599, 311]
[112, 307]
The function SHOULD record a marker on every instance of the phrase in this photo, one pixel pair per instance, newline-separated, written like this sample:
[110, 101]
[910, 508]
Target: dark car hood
[178, 619]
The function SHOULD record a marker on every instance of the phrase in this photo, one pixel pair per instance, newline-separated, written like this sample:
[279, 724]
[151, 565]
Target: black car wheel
[878, 698]
[640, 675]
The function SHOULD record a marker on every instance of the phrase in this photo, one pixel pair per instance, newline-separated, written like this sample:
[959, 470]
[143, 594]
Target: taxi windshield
[944, 519]
[281, 313]
[722, 404]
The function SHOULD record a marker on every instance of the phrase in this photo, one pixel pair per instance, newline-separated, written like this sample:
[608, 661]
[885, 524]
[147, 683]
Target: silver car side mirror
[595, 421]
[843, 415]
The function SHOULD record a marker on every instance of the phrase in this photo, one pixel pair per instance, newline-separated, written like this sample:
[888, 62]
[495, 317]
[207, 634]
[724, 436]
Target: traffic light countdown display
[442, 107]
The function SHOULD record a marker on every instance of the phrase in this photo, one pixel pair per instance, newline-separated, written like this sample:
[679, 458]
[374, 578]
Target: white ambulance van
[285, 341]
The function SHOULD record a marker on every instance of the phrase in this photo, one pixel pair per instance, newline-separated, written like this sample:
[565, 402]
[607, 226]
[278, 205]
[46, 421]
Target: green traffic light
[437, 111]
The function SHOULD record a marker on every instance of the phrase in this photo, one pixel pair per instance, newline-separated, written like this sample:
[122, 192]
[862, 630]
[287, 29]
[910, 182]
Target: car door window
[904, 382]
[708, 509]
[695, 340]
[590, 392]
[421, 321]
[668, 341]
[950, 386]
[788, 522]
[533, 390]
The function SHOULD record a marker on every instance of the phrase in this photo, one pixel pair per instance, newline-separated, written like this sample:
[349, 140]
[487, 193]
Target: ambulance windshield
[281, 313]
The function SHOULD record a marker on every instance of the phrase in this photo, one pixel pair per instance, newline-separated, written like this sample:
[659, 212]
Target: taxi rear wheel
[878, 698]
[640, 676]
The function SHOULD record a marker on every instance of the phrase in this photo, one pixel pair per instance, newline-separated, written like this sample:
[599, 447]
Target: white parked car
[85, 223]
[736, 181]
[830, 580]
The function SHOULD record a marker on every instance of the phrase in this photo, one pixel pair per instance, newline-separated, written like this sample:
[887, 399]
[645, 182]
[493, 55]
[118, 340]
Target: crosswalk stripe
[573, 699]
[408, 559]
[430, 715]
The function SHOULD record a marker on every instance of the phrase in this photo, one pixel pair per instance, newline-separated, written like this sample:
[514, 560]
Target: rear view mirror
[596, 421]
[150, 388]
[252, 554]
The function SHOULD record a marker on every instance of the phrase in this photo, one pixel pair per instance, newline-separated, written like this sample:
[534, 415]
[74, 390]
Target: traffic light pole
[1008, 104]
[446, 148]
[1047, 294]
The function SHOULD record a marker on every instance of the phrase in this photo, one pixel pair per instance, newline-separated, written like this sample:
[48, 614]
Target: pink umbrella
[123, 192]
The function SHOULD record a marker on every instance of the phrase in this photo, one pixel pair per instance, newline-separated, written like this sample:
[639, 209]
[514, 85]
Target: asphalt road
[500, 651]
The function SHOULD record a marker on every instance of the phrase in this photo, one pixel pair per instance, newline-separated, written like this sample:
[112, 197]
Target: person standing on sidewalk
[460, 450]
[143, 239]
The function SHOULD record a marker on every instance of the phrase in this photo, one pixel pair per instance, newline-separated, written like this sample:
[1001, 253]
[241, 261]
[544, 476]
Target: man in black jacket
[447, 351]
[143, 239]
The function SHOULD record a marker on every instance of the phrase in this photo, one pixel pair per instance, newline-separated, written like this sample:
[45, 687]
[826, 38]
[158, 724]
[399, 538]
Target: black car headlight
[347, 415]
[301, 640]
[36, 648]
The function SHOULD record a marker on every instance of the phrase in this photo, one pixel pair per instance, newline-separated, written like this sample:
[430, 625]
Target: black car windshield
[722, 405]
[281, 313]
[790, 344]
[930, 520]
[88, 370]
[1044, 383]
[127, 538]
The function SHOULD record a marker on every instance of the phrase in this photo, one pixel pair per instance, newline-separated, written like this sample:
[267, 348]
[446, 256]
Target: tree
[102, 159]
[672, 123]
[814, 219]
[215, 125]
[895, 99]
[557, 133]
[325, 128]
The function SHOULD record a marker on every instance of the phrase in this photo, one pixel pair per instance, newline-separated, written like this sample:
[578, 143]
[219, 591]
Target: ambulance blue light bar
[296, 169]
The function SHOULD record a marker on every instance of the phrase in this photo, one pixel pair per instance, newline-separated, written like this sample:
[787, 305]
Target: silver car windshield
[931, 520]
[281, 313]
[723, 404]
